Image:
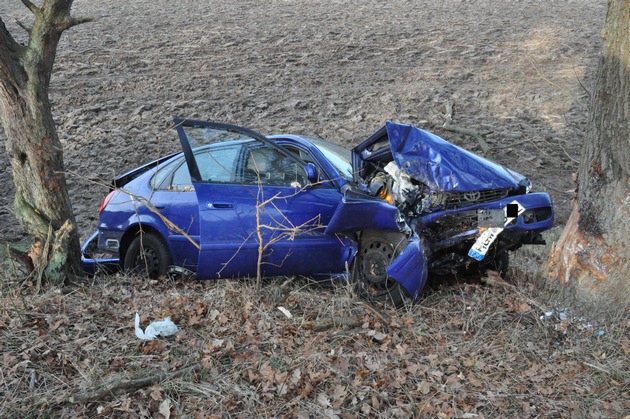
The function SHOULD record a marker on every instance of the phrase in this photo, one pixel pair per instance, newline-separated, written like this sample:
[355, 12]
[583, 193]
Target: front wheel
[377, 250]
[501, 263]
[147, 256]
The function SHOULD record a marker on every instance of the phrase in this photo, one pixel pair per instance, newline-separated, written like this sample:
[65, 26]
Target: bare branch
[146, 202]
[323, 325]
[23, 26]
[34, 9]
[235, 253]
[448, 126]
[171, 226]
[68, 23]
[132, 385]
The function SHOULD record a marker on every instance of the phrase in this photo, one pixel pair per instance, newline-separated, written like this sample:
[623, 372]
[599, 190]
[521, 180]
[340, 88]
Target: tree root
[448, 126]
[131, 385]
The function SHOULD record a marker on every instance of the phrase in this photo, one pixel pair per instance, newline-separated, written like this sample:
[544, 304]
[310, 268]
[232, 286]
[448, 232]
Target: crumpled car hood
[442, 166]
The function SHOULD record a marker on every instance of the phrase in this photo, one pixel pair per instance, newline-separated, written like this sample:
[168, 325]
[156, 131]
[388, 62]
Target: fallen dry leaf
[165, 408]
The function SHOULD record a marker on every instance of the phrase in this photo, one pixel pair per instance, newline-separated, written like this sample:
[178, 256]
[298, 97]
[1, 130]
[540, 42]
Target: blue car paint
[424, 156]
[410, 268]
[230, 249]
[128, 213]
[230, 232]
[531, 201]
[429, 159]
[359, 212]
[448, 168]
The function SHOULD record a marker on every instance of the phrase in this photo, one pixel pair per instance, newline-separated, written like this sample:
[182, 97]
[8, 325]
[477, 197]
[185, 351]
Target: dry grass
[466, 350]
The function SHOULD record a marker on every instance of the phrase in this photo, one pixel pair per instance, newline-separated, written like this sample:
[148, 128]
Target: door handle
[221, 204]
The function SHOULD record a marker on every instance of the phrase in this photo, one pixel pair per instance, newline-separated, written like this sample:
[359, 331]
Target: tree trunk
[593, 250]
[42, 204]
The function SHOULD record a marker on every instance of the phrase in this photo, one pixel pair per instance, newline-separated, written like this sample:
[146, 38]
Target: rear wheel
[377, 249]
[147, 256]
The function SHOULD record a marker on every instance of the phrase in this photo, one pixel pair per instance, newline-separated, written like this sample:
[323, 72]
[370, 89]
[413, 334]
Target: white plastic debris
[160, 328]
[285, 312]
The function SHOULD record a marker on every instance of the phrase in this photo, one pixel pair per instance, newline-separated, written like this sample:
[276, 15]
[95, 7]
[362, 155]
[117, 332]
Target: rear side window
[162, 179]
[181, 179]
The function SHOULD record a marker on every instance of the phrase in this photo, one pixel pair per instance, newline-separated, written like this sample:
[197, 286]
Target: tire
[377, 249]
[147, 256]
[501, 263]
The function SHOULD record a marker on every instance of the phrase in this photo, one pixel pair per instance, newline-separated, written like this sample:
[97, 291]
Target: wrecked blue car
[403, 205]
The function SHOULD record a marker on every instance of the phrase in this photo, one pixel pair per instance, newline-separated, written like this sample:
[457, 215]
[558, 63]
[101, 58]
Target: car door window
[221, 153]
[218, 164]
[267, 166]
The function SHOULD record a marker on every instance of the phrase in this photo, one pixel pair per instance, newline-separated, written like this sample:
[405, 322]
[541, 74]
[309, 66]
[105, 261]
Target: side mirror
[312, 174]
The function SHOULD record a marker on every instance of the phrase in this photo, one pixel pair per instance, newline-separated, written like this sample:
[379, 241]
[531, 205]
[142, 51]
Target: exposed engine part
[379, 185]
[399, 189]
[402, 187]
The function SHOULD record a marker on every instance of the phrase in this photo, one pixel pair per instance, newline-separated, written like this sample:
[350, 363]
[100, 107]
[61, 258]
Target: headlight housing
[524, 186]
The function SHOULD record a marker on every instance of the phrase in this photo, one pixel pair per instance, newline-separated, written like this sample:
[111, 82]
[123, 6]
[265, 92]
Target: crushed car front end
[468, 211]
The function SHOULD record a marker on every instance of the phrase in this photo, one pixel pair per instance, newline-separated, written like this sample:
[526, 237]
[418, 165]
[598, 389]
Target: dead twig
[322, 325]
[132, 385]
[377, 313]
[448, 126]
[494, 279]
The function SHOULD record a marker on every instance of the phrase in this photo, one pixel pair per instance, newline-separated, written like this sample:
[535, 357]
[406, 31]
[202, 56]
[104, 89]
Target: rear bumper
[91, 263]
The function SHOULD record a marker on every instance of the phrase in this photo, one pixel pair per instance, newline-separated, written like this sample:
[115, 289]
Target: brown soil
[338, 69]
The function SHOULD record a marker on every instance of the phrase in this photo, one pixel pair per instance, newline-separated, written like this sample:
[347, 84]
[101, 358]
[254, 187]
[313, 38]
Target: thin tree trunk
[594, 247]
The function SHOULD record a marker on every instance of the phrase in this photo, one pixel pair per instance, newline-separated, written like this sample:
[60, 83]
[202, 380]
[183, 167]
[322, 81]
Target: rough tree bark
[593, 250]
[42, 205]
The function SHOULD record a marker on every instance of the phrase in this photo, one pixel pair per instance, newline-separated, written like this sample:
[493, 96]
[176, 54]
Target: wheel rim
[148, 262]
[375, 257]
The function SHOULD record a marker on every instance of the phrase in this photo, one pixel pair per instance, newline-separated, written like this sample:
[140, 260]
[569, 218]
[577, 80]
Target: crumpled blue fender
[444, 166]
[410, 268]
[360, 212]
